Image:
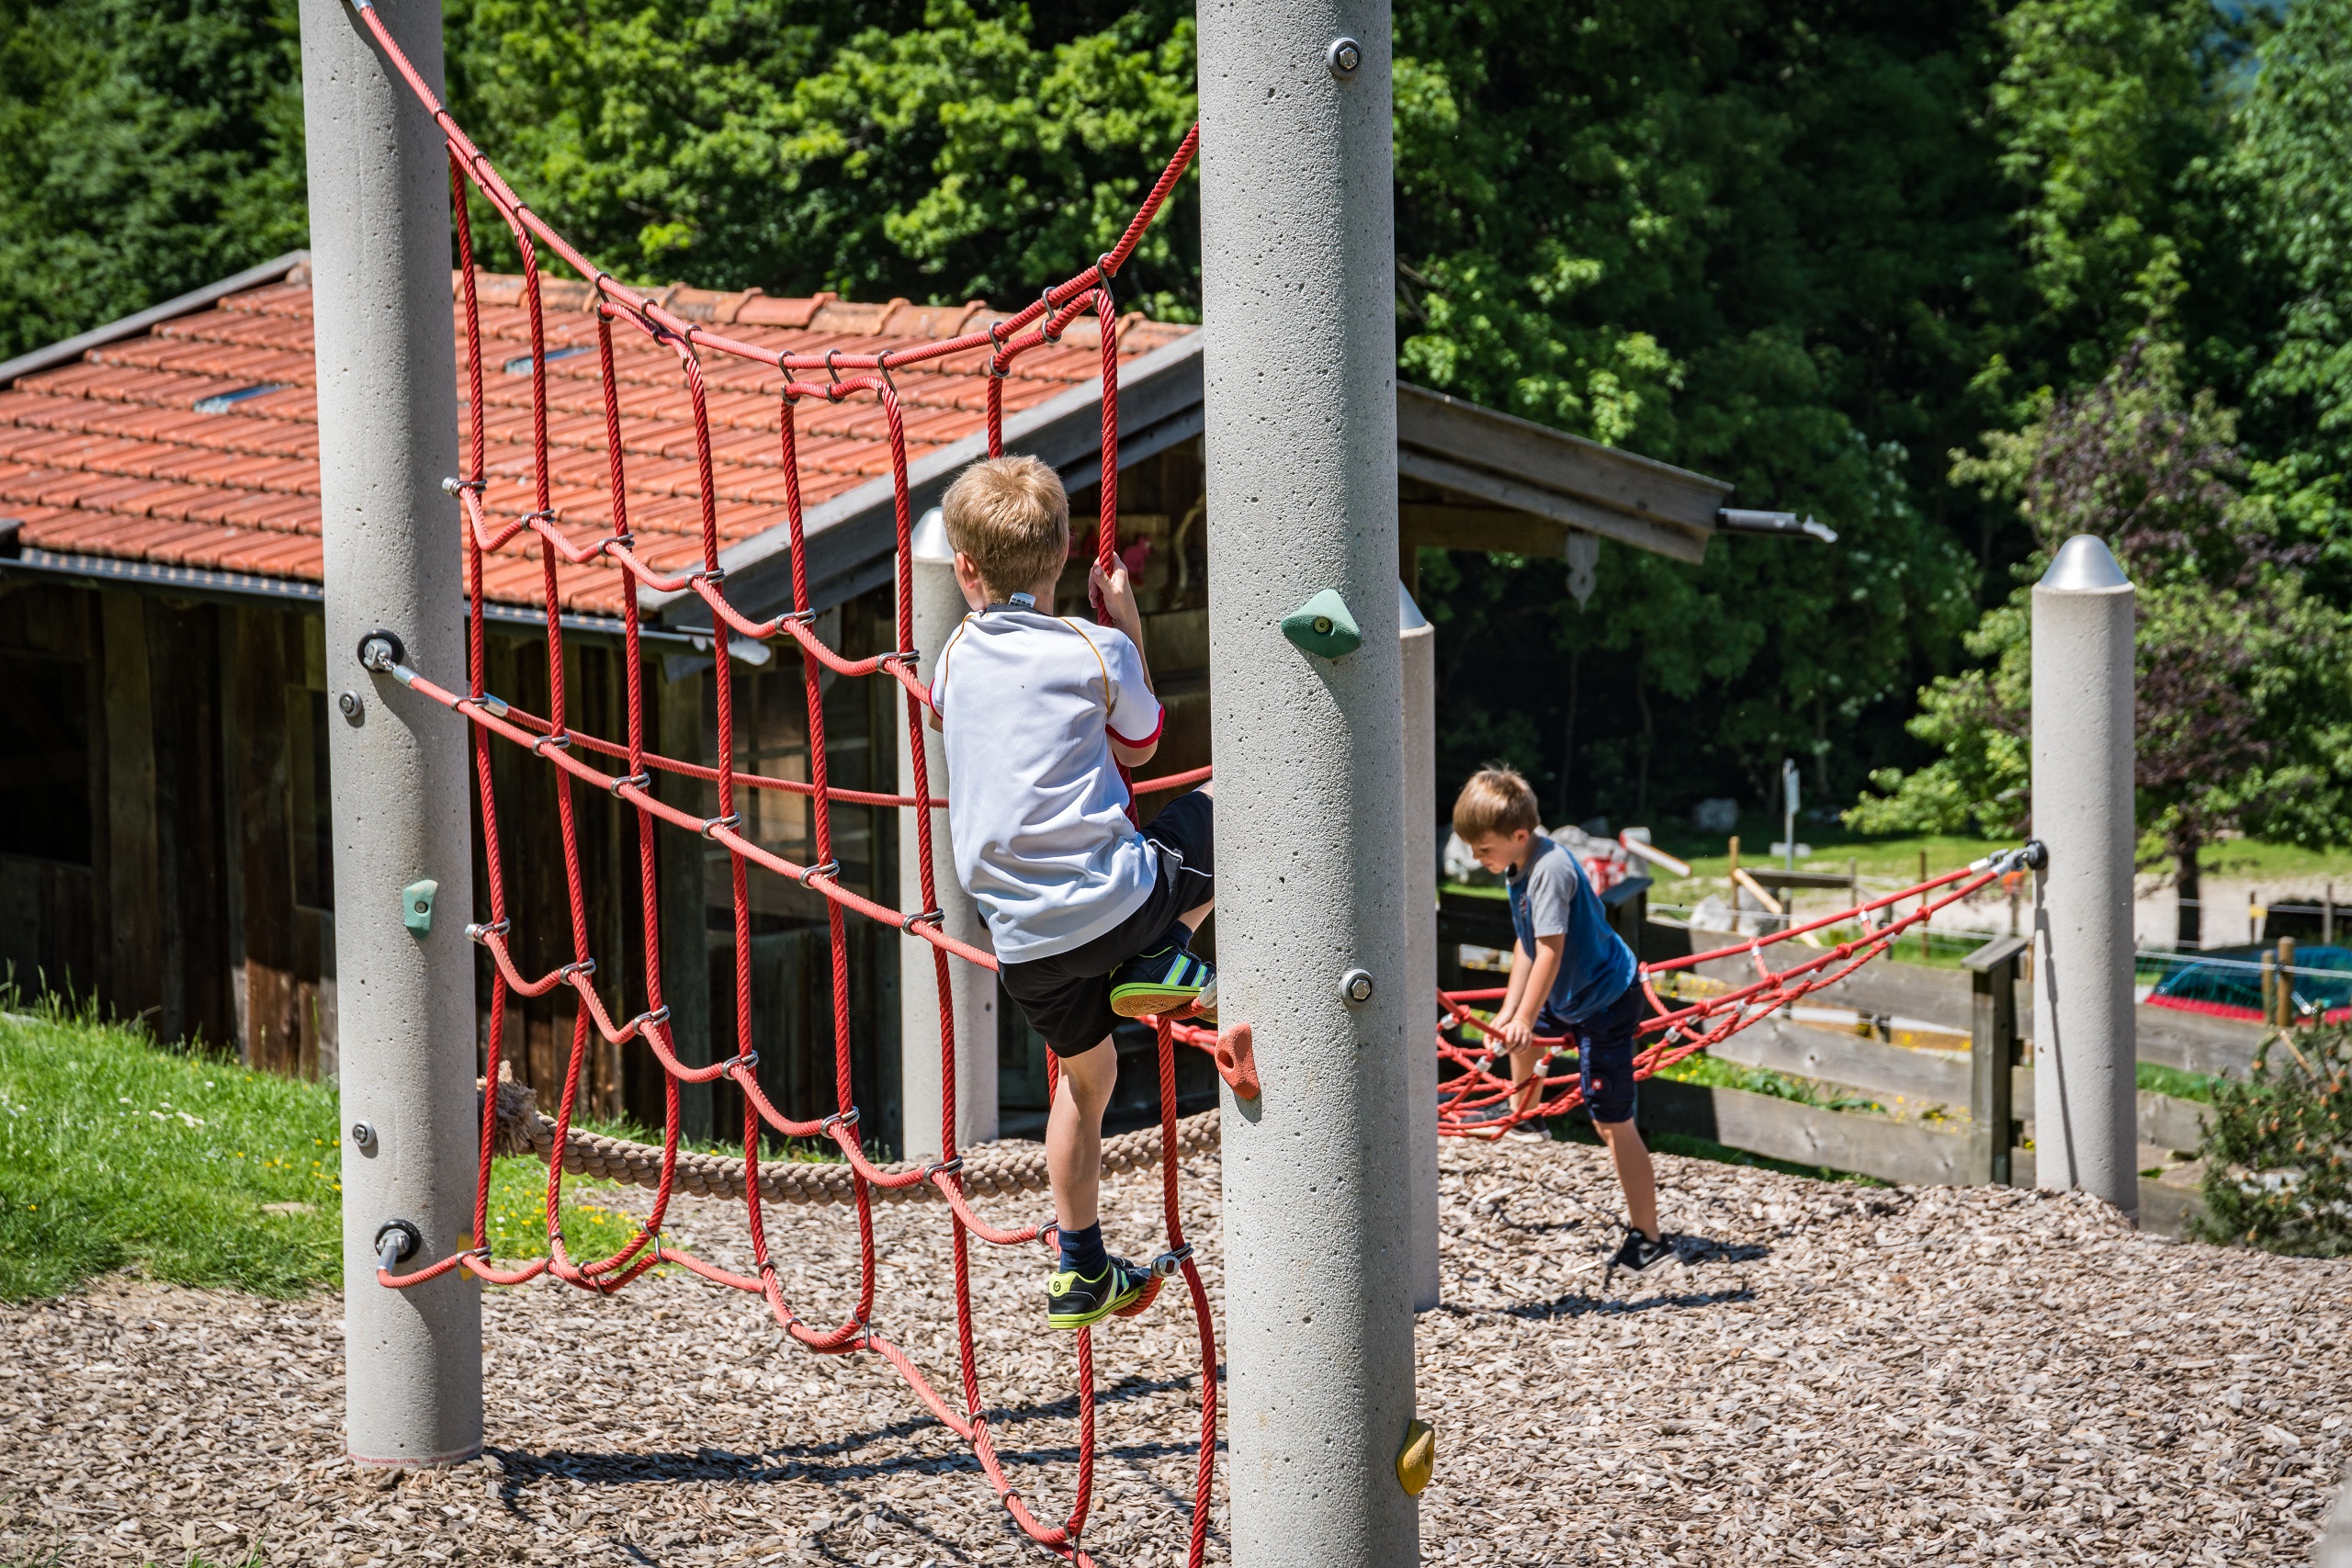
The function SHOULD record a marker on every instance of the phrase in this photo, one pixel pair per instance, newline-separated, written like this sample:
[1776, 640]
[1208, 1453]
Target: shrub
[2278, 1149]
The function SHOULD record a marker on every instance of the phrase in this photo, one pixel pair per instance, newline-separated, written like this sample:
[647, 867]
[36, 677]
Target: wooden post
[2286, 996]
[1924, 953]
[1993, 1055]
[134, 892]
[2327, 918]
[2269, 987]
[684, 939]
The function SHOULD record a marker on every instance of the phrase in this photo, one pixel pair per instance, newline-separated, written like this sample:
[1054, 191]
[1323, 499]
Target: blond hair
[1496, 801]
[1011, 517]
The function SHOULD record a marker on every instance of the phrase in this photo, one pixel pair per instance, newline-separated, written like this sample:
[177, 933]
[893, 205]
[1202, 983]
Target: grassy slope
[115, 1151]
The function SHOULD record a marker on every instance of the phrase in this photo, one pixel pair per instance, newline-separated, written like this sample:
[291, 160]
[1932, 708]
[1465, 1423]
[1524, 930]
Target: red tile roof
[127, 454]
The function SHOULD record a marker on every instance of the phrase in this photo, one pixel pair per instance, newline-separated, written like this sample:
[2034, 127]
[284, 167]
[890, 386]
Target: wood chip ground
[1828, 1374]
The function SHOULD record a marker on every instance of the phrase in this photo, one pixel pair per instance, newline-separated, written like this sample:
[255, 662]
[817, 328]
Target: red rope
[1468, 1103]
[551, 739]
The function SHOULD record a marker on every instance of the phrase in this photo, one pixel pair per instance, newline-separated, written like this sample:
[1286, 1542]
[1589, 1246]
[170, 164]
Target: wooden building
[166, 843]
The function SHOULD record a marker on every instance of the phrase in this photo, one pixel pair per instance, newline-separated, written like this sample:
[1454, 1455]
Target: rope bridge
[1683, 1028]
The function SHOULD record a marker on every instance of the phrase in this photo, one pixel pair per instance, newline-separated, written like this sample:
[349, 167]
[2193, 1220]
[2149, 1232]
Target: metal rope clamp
[929, 916]
[641, 779]
[561, 742]
[998, 371]
[943, 1167]
[645, 1020]
[1168, 1265]
[494, 707]
[845, 1118]
[732, 820]
[482, 933]
[747, 1059]
[830, 868]
[1045, 333]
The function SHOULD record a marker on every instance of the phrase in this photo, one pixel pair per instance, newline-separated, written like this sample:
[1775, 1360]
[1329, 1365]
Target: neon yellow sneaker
[1072, 1302]
[1165, 981]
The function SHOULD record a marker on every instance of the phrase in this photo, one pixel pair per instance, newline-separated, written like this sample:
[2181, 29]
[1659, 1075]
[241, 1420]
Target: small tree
[2278, 1149]
[2243, 711]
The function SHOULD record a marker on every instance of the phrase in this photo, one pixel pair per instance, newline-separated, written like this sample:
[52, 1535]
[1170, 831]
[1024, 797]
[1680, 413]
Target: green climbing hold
[1322, 626]
[417, 905]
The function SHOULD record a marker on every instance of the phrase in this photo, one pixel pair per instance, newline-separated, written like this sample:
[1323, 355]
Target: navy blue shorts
[1605, 1053]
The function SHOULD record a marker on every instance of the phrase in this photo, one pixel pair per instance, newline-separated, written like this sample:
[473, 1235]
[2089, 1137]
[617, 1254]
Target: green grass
[117, 1152]
[1715, 1073]
[2157, 1079]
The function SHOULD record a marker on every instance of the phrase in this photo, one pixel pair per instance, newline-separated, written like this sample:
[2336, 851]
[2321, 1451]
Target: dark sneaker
[1165, 981]
[1072, 1302]
[1639, 1252]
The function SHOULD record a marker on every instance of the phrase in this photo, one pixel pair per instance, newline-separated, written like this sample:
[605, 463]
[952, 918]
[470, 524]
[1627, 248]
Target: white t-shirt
[1027, 703]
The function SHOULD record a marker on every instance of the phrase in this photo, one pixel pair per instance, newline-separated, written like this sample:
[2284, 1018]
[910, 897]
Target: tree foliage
[1813, 247]
[145, 150]
[2244, 711]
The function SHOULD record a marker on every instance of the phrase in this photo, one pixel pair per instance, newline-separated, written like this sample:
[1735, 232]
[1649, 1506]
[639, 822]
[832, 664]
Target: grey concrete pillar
[1298, 295]
[1417, 644]
[387, 436]
[2085, 1050]
[939, 607]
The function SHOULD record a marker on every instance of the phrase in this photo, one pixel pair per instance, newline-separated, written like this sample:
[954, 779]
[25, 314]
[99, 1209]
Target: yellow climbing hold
[1418, 1458]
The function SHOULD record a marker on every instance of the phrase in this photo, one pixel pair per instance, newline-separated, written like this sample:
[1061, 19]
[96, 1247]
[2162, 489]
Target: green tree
[2244, 710]
[145, 150]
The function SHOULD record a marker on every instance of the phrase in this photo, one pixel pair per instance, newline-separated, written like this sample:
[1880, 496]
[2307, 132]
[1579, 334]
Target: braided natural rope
[990, 1171]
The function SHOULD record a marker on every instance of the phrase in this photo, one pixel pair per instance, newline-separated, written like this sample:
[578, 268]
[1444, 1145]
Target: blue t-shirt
[1553, 899]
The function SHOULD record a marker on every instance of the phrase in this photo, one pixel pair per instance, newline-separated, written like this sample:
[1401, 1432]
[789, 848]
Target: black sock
[1082, 1251]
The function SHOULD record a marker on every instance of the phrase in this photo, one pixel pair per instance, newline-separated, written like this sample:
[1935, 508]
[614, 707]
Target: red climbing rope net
[1482, 1101]
[488, 528]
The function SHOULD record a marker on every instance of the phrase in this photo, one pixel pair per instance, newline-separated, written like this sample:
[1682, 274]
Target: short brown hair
[1012, 516]
[1495, 801]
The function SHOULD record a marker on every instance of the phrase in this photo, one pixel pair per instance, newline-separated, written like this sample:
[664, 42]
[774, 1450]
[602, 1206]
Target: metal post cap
[2084, 565]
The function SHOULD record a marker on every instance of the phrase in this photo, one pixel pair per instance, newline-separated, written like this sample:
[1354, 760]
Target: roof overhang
[1471, 478]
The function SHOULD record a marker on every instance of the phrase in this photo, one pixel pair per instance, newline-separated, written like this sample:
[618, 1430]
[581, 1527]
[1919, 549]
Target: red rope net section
[1479, 1100]
[624, 768]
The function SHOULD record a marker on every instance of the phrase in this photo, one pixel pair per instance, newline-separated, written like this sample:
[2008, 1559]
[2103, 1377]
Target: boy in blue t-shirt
[1570, 973]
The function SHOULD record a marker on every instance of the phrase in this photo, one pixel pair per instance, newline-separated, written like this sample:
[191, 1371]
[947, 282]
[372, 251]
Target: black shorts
[1605, 1053]
[1067, 996]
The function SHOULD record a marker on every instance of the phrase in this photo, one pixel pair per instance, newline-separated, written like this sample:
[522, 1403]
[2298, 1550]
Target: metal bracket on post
[1992, 1057]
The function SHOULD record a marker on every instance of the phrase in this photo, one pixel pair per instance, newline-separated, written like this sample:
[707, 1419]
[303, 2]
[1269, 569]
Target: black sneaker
[1074, 1302]
[1165, 981]
[1639, 1252]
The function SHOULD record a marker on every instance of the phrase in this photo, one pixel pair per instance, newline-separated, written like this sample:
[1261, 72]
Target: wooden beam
[679, 856]
[1664, 537]
[1601, 475]
[273, 1026]
[1784, 1129]
[133, 910]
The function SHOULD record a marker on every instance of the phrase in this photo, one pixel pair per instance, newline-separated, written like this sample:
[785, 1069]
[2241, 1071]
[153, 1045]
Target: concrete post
[1298, 294]
[2085, 1050]
[387, 436]
[939, 606]
[1417, 644]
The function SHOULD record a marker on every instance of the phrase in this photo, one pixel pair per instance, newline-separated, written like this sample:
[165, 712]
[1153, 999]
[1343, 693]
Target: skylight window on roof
[227, 400]
[521, 364]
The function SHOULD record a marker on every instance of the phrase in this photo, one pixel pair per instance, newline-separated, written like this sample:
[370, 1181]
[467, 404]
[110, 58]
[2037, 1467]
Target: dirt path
[1833, 1374]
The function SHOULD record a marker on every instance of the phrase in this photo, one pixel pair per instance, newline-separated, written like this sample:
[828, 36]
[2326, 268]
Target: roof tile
[110, 456]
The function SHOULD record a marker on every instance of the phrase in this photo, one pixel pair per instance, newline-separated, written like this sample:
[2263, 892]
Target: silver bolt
[354, 709]
[1355, 988]
[1344, 55]
[363, 1134]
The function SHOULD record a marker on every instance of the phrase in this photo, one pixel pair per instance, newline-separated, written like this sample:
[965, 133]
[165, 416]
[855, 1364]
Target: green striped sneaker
[1165, 981]
[1075, 1302]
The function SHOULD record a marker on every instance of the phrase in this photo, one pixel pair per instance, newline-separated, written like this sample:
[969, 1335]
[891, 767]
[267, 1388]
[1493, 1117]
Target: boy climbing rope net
[1091, 920]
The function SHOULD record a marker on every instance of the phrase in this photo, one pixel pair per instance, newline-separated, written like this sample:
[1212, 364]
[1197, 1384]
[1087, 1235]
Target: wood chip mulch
[1828, 1373]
